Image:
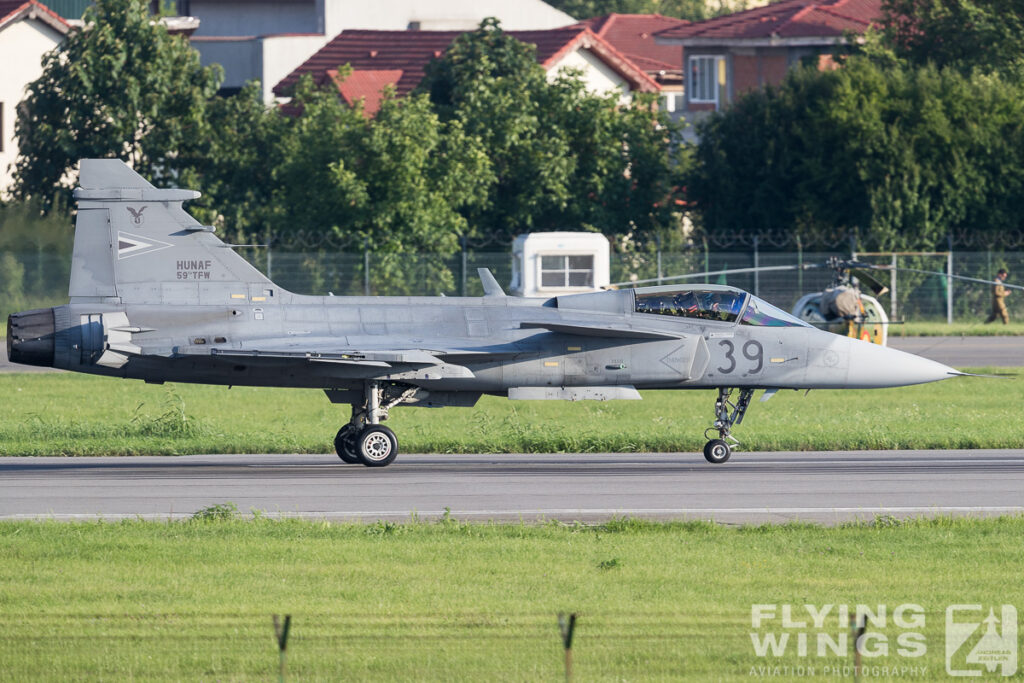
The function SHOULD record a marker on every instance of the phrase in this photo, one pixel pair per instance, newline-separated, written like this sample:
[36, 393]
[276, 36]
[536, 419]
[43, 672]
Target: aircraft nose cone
[874, 366]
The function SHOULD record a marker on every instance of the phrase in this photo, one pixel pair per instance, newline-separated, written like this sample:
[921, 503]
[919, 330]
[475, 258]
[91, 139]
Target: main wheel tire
[345, 444]
[377, 446]
[716, 451]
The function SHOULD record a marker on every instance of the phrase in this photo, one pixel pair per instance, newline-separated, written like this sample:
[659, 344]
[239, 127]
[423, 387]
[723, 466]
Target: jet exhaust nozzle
[30, 337]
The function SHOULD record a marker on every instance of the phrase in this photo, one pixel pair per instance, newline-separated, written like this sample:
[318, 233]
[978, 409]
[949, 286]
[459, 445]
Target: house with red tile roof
[633, 36]
[728, 55]
[400, 58]
[28, 29]
[266, 40]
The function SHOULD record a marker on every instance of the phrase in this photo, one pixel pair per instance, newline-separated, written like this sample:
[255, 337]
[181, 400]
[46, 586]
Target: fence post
[366, 267]
[660, 274]
[281, 632]
[892, 287]
[464, 264]
[707, 260]
[757, 265]
[799, 266]
[949, 280]
[567, 624]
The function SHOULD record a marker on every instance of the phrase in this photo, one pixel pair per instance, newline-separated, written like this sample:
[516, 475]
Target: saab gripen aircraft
[156, 296]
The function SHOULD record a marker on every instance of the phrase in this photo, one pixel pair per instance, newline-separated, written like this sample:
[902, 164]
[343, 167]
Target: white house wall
[397, 15]
[22, 45]
[281, 54]
[597, 75]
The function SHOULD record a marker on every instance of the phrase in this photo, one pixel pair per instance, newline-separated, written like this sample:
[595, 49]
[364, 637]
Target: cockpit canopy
[722, 304]
[717, 304]
[761, 313]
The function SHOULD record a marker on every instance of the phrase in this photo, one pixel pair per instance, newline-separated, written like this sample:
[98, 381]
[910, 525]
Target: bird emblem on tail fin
[137, 216]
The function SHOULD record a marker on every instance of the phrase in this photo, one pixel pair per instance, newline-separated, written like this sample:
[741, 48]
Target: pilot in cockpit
[721, 306]
[685, 304]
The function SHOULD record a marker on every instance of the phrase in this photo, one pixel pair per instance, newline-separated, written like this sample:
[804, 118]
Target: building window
[704, 78]
[567, 271]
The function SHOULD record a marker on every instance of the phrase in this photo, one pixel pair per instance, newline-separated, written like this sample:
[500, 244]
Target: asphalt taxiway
[823, 487]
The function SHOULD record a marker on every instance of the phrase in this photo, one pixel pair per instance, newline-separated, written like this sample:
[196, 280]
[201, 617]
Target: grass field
[66, 414]
[449, 601]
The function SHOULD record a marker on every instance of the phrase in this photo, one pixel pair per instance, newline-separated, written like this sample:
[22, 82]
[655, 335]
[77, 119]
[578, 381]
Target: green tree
[902, 155]
[120, 87]
[691, 10]
[967, 35]
[35, 256]
[236, 165]
[493, 86]
[395, 183]
[559, 155]
[626, 164]
[397, 180]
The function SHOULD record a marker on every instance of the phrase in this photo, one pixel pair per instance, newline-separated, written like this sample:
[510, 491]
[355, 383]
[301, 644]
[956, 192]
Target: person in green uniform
[999, 294]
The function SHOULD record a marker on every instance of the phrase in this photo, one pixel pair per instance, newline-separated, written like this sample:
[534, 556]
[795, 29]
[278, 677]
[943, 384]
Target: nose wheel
[717, 451]
[727, 414]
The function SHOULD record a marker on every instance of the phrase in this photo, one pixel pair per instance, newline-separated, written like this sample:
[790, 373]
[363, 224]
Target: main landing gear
[364, 440]
[727, 414]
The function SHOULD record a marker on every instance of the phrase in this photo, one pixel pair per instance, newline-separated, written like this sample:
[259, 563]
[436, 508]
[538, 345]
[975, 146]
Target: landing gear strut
[364, 439]
[727, 414]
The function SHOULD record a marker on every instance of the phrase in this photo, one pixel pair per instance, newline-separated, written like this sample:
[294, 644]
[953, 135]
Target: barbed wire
[315, 240]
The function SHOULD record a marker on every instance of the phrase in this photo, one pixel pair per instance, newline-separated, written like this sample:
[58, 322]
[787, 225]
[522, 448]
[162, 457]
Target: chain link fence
[40, 278]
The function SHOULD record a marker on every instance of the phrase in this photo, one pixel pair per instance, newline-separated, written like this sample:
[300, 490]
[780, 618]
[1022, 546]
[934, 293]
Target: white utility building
[546, 264]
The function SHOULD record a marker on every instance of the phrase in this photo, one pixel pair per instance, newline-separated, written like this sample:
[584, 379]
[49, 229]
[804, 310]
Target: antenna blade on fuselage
[491, 286]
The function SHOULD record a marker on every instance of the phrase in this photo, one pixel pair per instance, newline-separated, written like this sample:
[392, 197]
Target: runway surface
[956, 351]
[752, 487]
[964, 352]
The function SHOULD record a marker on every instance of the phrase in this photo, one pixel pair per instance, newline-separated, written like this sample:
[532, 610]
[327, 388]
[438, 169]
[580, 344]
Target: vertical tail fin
[135, 243]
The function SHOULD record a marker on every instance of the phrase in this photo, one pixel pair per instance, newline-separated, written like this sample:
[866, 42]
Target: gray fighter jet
[156, 296]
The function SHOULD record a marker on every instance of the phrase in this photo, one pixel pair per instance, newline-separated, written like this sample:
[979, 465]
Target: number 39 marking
[752, 351]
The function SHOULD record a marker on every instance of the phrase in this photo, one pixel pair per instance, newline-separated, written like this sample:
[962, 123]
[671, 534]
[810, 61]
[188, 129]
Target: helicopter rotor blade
[960, 277]
[708, 273]
[877, 287]
[858, 268]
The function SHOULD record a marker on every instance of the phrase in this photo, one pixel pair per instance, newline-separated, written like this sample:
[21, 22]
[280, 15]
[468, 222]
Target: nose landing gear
[727, 414]
[364, 440]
